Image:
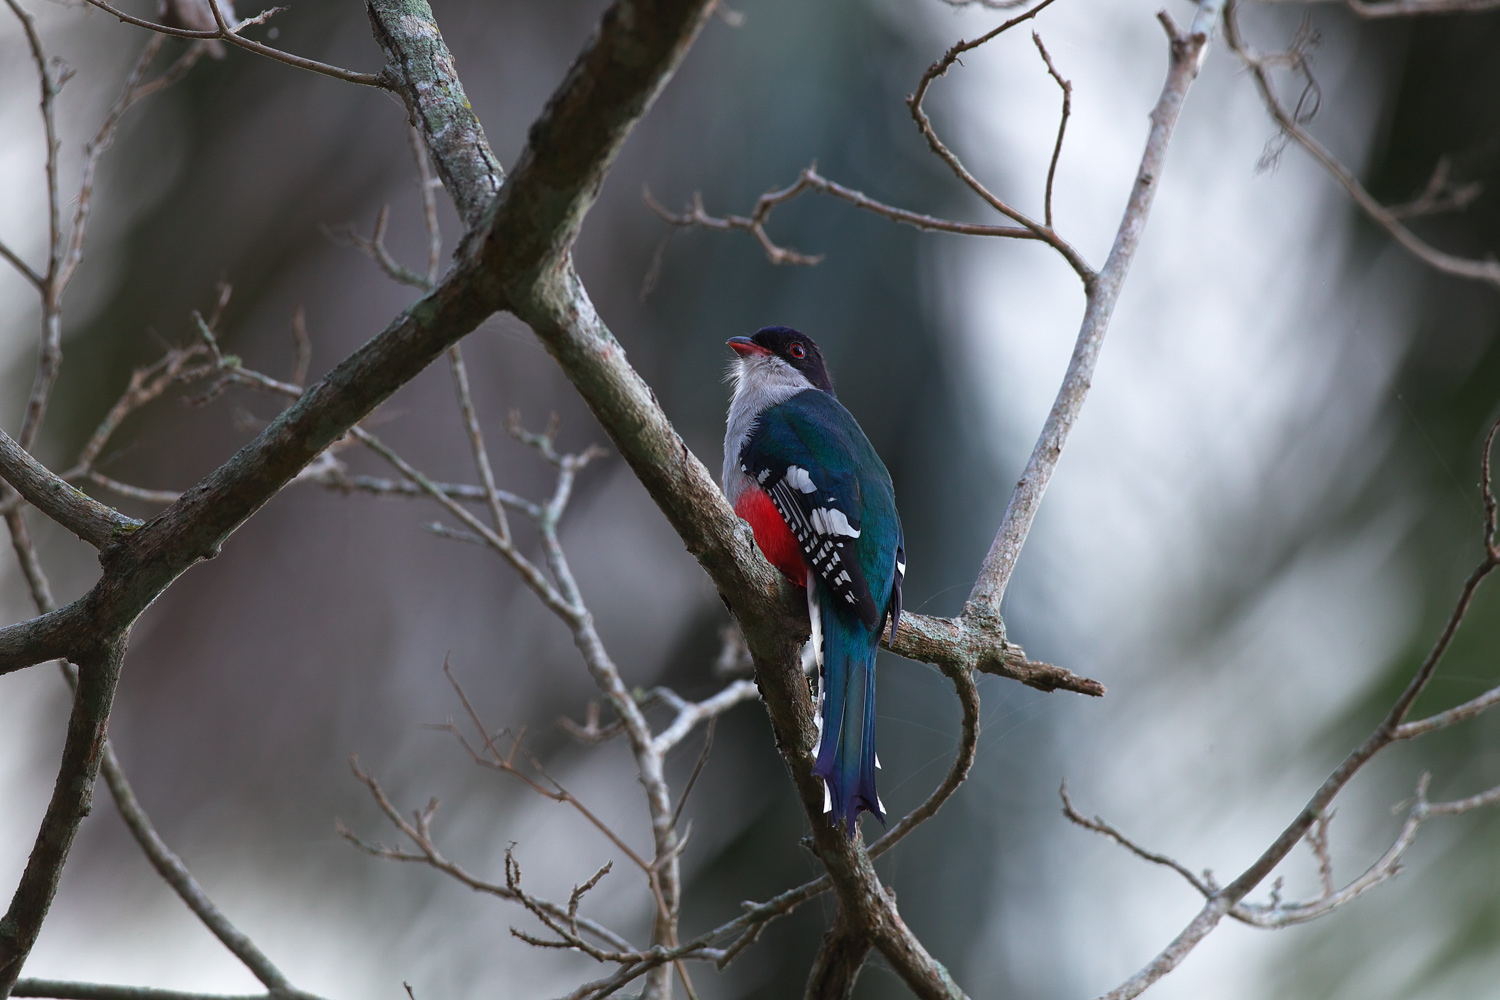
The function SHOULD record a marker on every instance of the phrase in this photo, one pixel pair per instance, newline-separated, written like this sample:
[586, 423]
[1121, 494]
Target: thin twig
[1098, 825]
[811, 180]
[914, 103]
[1062, 122]
[227, 33]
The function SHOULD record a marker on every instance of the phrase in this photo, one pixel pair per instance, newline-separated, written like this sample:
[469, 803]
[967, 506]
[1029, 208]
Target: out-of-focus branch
[1227, 900]
[137, 88]
[226, 32]
[170, 867]
[1487, 271]
[1403, 8]
[63, 990]
[418, 830]
[49, 359]
[1439, 195]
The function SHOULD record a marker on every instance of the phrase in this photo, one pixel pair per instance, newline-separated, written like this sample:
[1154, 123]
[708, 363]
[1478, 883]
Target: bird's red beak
[745, 347]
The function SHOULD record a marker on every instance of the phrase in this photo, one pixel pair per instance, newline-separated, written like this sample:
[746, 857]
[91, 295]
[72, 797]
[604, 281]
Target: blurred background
[1259, 524]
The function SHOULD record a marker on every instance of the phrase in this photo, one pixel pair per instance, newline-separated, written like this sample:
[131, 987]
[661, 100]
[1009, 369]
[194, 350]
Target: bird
[800, 471]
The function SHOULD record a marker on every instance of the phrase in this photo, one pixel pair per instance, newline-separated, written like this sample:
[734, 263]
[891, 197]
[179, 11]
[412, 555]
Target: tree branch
[1404, 8]
[420, 68]
[1487, 271]
[1226, 900]
[72, 797]
[61, 990]
[70, 507]
[1187, 51]
[230, 33]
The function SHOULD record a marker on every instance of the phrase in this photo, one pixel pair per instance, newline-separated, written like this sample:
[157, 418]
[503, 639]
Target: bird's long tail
[846, 692]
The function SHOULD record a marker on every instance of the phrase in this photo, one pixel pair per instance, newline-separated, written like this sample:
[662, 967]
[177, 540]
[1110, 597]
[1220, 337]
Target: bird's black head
[795, 348]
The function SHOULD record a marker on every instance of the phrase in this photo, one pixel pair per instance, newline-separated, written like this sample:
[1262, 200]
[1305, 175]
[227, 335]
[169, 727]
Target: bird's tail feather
[846, 693]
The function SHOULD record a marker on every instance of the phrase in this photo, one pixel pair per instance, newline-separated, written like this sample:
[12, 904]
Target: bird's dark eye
[796, 351]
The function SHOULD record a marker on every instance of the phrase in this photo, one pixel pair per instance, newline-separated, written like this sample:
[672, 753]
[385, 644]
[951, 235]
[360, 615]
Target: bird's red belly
[776, 541]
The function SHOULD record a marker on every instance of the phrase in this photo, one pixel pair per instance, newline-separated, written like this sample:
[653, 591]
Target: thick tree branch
[72, 797]
[839, 959]
[422, 71]
[70, 507]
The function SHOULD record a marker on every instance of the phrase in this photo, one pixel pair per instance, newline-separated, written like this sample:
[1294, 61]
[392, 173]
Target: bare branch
[136, 89]
[1440, 195]
[1404, 8]
[1487, 271]
[80, 513]
[230, 33]
[1103, 292]
[476, 440]
[430, 855]
[61, 990]
[24, 268]
[1042, 231]
[1062, 122]
[689, 714]
[374, 247]
[811, 180]
[968, 746]
[430, 186]
[302, 343]
[1098, 825]
[50, 357]
[1228, 899]
[420, 68]
[754, 224]
[72, 797]
[687, 789]
[162, 858]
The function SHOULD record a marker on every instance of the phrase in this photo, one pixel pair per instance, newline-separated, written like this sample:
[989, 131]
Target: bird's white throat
[760, 382]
